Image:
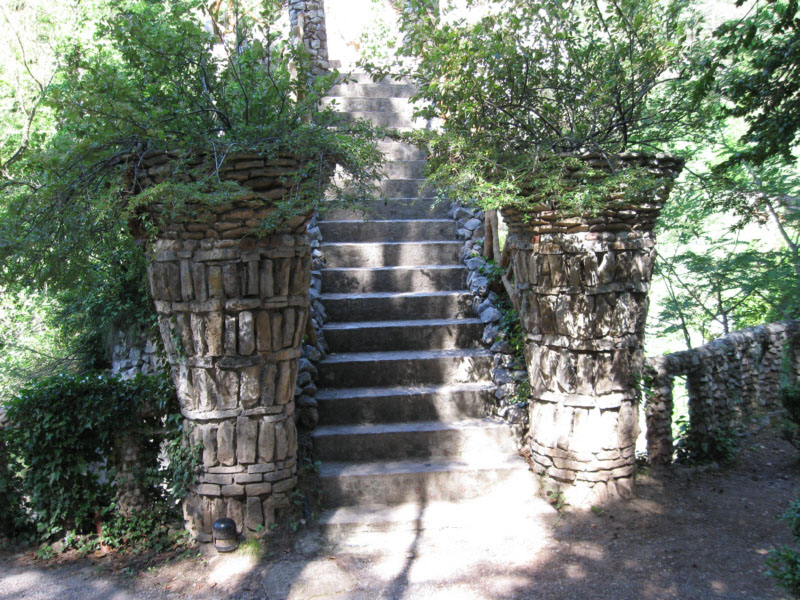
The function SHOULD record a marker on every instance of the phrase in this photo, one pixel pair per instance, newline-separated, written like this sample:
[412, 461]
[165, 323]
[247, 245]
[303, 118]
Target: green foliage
[147, 531]
[31, 344]
[790, 398]
[754, 68]
[139, 76]
[783, 564]
[526, 82]
[512, 330]
[696, 448]
[12, 509]
[183, 460]
[62, 434]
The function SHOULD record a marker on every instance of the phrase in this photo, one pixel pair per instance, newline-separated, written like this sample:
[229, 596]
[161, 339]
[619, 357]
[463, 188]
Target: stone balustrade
[727, 379]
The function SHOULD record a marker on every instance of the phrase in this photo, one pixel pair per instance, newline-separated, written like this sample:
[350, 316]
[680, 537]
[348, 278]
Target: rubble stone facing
[506, 374]
[307, 17]
[582, 285]
[316, 348]
[232, 311]
[726, 379]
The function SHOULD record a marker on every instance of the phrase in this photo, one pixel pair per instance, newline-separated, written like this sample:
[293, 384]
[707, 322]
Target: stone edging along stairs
[405, 388]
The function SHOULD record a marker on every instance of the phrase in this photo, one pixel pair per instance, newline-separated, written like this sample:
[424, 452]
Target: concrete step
[391, 254]
[339, 103]
[340, 406]
[402, 121]
[398, 230]
[394, 150]
[373, 90]
[407, 188]
[399, 481]
[380, 336]
[506, 510]
[390, 209]
[409, 367]
[416, 439]
[398, 305]
[361, 77]
[404, 169]
[423, 278]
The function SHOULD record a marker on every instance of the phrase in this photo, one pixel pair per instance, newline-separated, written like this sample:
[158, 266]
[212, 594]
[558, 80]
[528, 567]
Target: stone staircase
[405, 388]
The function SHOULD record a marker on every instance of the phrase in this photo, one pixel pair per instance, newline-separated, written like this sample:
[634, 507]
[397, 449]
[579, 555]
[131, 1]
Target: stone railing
[727, 379]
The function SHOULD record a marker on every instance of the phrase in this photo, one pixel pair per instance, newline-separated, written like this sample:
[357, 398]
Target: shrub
[12, 507]
[522, 86]
[62, 439]
[783, 564]
[693, 447]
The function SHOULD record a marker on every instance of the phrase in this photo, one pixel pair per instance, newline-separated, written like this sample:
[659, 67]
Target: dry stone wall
[507, 375]
[132, 353]
[727, 379]
[307, 19]
[232, 310]
[582, 285]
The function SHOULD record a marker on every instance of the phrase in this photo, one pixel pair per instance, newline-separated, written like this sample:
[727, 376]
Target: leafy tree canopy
[756, 69]
[526, 82]
[141, 76]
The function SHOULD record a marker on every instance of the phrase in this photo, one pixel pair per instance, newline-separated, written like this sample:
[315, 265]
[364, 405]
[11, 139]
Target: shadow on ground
[688, 534]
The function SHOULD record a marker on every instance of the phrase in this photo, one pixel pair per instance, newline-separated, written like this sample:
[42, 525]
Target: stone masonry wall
[726, 379]
[507, 375]
[307, 18]
[232, 310]
[582, 285]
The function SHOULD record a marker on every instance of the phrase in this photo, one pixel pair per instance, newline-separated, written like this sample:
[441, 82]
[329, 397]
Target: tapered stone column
[232, 308]
[582, 285]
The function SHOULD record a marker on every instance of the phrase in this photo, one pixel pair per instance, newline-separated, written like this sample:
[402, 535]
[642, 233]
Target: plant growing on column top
[187, 77]
[551, 112]
[195, 125]
[524, 88]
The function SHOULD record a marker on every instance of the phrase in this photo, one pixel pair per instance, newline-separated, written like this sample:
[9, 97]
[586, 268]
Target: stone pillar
[232, 310]
[582, 283]
[794, 352]
[769, 376]
[658, 410]
[307, 19]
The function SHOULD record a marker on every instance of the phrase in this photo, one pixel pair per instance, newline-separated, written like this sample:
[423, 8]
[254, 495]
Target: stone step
[398, 305]
[399, 481]
[354, 104]
[416, 439]
[402, 121]
[394, 150]
[340, 406]
[390, 209]
[404, 169]
[362, 77]
[379, 336]
[423, 278]
[506, 510]
[407, 188]
[409, 367]
[398, 230]
[373, 90]
[391, 254]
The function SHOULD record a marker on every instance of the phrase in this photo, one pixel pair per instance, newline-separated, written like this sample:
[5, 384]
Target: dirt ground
[689, 533]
